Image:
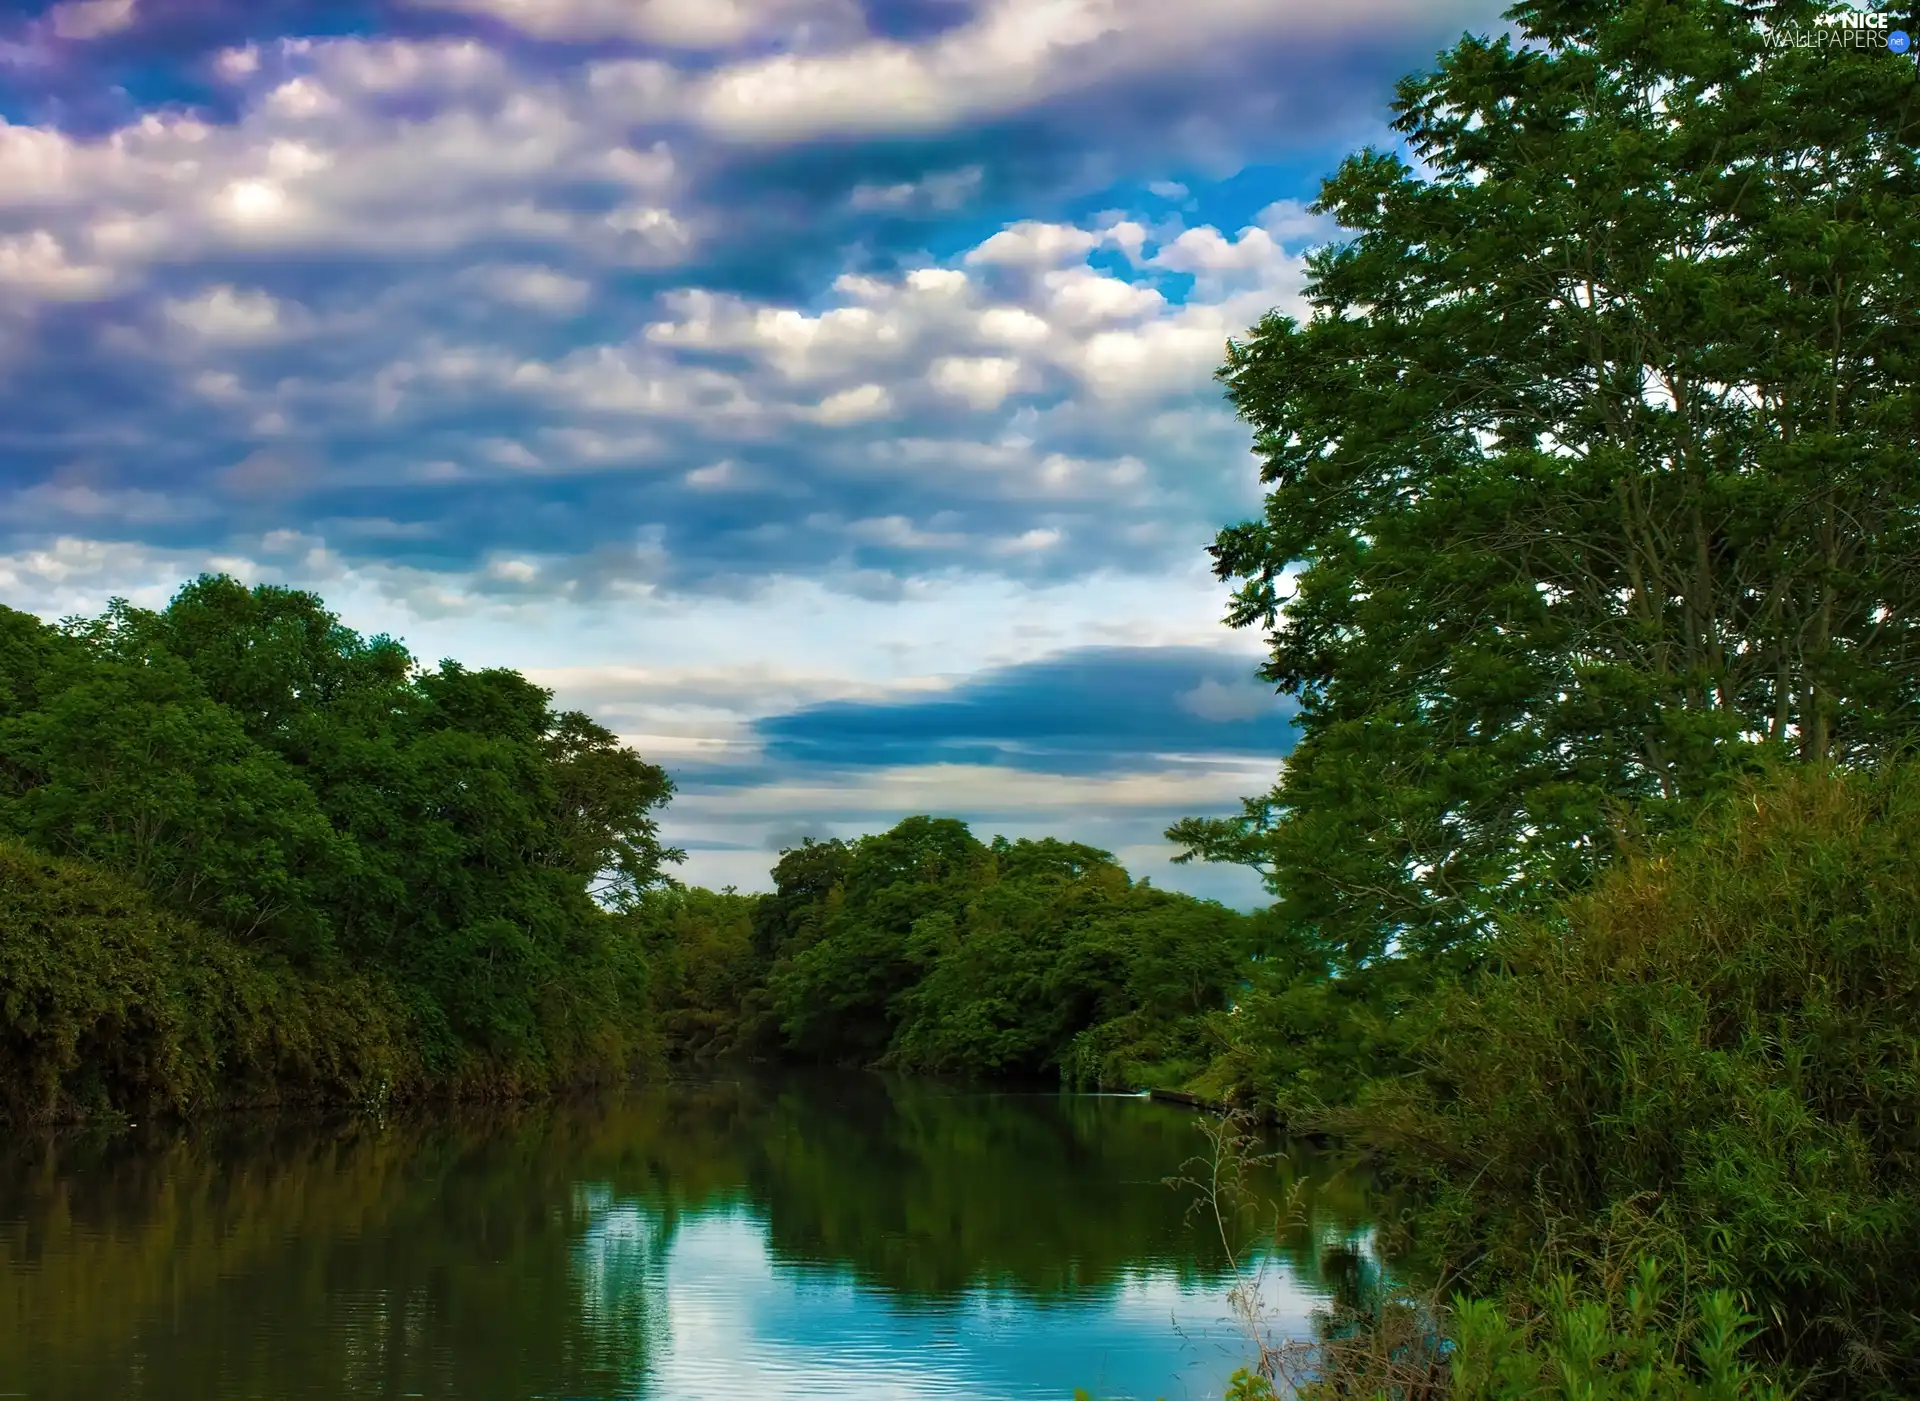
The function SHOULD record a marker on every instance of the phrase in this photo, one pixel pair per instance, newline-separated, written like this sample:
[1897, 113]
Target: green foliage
[1642, 1344]
[1591, 509]
[313, 798]
[699, 948]
[109, 1004]
[1583, 1348]
[1711, 1059]
[1300, 1042]
[922, 948]
[1591, 471]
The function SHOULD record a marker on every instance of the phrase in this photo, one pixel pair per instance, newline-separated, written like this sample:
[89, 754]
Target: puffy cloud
[1033, 244]
[982, 380]
[232, 316]
[1011, 54]
[541, 288]
[682, 24]
[863, 401]
[91, 19]
[36, 267]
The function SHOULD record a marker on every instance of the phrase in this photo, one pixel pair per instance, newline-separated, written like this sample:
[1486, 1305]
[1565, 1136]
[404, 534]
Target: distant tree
[1595, 469]
[923, 949]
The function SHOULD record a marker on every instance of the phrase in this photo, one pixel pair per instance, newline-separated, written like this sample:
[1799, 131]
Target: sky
[818, 392]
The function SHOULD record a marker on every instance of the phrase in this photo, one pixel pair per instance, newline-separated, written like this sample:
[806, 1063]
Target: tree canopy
[1592, 471]
[252, 764]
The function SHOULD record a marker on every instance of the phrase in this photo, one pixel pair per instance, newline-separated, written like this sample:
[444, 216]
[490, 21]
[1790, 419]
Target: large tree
[1593, 469]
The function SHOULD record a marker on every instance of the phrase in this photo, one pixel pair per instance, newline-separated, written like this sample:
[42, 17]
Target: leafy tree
[257, 766]
[921, 948]
[835, 999]
[1592, 470]
[806, 883]
[131, 765]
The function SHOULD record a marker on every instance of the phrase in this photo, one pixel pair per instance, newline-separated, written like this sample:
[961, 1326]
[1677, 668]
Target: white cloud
[983, 381]
[855, 405]
[232, 316]
[1082, 296]
[1029, 541]
[1145, 361]
[514, 571]
[724, 475]
[1206, 250]
[898, 532]
[942, 192]
[683, 24]
[1031, 243]
[539, 288]
[321, 158]
[1012, 325]
[91, 19]
[37, 266]
[509, 453]
[1012, 54]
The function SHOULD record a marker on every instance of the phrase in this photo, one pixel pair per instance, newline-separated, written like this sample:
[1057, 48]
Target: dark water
[847, 1237]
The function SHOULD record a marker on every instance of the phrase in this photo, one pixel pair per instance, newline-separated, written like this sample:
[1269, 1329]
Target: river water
[843, 1236]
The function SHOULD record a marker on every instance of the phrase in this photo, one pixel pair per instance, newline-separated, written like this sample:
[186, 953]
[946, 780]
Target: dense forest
[1591, 554]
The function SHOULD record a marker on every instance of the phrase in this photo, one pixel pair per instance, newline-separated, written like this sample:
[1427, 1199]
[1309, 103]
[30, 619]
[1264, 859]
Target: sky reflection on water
[827, 1236]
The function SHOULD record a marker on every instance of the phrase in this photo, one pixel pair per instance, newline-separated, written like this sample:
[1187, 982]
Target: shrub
[1713, 1058]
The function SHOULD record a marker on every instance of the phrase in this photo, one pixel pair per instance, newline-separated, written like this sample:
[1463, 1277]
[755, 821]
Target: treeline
[247, 854]
[925, 949]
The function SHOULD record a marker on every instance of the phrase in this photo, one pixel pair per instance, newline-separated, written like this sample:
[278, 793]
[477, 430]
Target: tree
[250, 762]
[1593, 469]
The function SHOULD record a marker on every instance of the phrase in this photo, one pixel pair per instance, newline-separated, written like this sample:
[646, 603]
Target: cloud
[232, 316]
[1010, 55]
[536, 287]
[1105, 710]
[681, 24]
[91, 19]
[36, 267]
[800, 354]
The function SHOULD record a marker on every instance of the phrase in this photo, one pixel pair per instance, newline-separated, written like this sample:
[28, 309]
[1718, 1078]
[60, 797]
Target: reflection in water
[844, 1236]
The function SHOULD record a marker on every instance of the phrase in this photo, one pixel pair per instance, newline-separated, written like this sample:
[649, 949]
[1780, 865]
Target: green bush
[1712, 1059]
[1643, 1345]
[108, 1004]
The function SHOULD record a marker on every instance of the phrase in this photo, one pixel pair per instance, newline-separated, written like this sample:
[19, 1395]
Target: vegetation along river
[798, 1236]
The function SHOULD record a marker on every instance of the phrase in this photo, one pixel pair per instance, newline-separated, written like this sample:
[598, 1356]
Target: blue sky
[818, 391]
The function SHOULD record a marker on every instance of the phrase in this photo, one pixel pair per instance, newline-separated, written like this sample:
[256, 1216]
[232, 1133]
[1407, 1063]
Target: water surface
[834, 1236]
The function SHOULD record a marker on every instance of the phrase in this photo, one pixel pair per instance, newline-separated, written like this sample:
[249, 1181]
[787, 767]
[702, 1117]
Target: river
[844, 1236]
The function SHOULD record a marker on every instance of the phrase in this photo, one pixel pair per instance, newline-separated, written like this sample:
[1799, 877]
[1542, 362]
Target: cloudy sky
[817, 391]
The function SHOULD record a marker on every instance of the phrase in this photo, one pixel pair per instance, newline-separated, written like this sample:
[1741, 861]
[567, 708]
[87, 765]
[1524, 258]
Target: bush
[1643, 1346]
[108, 1004]
[1712, 1059]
